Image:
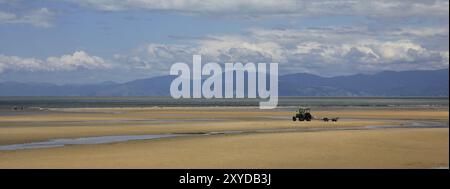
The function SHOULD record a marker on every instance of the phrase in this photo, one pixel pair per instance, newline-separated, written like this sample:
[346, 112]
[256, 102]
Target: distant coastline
[7, 103]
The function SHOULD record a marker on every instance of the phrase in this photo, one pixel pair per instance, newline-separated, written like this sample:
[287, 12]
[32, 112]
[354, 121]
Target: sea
[8, 103]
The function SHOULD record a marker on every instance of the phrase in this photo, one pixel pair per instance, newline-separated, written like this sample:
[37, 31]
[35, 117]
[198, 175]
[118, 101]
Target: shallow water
[85, 140]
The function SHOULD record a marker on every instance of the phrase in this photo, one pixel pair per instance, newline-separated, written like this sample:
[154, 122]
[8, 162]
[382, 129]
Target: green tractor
[303, 114]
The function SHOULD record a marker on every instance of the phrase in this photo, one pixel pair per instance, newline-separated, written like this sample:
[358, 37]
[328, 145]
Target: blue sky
[88, 41]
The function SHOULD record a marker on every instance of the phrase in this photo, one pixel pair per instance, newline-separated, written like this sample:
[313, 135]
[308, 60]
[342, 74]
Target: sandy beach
[230, 137]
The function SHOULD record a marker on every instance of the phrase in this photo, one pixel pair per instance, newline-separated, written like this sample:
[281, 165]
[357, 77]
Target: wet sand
[271, 140]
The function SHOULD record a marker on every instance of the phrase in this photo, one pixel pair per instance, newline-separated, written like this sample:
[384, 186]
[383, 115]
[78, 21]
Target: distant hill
[389, 83]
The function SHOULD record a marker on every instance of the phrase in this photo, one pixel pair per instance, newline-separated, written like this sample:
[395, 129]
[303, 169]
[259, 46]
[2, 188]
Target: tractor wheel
[294, 119]
[308, 117]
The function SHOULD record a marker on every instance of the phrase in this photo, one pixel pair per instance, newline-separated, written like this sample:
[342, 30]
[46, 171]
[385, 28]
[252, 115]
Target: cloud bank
[69, 62]
[323, 51]
[379, 8]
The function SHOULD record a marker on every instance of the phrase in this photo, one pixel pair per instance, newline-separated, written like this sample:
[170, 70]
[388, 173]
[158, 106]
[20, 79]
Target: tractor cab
[304, 110]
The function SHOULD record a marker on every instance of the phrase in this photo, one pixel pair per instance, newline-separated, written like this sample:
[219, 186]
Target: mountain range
[387, 83]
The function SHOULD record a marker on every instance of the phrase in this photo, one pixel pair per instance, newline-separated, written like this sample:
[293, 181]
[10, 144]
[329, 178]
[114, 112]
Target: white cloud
[155, 57]
[70, 62]
[421, 32]
[238, 49]
[195, 6]
[380, 8]
[42, 17]
[5, 16]
[352, 50]
[78, 59]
